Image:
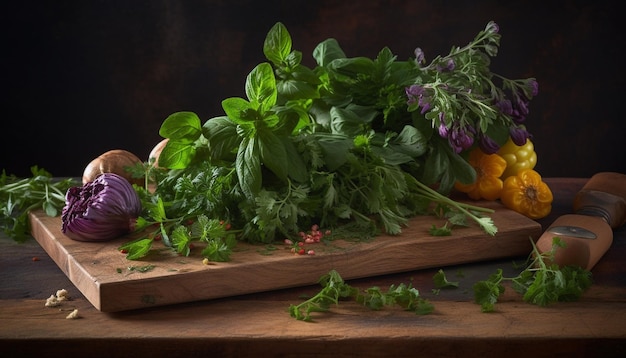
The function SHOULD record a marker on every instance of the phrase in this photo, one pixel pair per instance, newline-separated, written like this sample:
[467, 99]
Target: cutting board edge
[104, 295]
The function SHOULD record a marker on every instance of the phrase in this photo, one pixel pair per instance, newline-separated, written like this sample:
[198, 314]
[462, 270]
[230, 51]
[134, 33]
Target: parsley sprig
[541, 282]
[334, 289]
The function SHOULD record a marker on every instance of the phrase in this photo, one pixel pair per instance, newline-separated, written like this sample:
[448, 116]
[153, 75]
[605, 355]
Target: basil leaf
[327, 51]
[177, 154]
[248, 167]
[273, 152]
[297, 169]
[222, 137]
[277, 45]
[181, 126]
[240, 111]
[261, 87]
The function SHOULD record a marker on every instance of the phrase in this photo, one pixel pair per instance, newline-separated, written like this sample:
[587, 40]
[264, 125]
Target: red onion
[100, 210]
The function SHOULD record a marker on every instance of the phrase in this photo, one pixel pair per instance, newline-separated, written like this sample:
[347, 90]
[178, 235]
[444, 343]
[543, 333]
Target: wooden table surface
[259, 324]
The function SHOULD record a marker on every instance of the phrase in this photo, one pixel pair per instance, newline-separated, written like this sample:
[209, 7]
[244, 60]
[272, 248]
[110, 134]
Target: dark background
[84, 77]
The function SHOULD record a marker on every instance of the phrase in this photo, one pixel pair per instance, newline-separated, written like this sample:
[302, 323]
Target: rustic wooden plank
[257, 317]
[100, 272]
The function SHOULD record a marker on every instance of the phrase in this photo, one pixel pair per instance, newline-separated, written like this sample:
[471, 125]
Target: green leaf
[335, 150]
[410, 141]
[220, 250]
[440, 231]
[540, 283]
[261, 87]
[302, 73]
[296, 167]
[351, 121]
[292, 61]
[486, 293]
[177, 154]
[327, 51]
[240, 111]
[136, 249]
[50, 208]
[248, 167]
[486, 223]
[445, 167]
[441, 281]
[181, 240]
[277, 45]
[349, 69]
[222, 138]
[273, 153]
[294, 89]
[184, 127]
[499, 133]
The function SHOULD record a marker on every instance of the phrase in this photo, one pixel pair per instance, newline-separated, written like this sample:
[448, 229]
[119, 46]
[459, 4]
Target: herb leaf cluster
[541, 282]
[336, 144]
[19, 196]
[335, 289]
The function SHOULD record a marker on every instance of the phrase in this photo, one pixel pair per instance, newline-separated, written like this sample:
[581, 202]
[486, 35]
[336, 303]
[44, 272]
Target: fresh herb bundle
[19, 196]
[362, 141]
[352, 142]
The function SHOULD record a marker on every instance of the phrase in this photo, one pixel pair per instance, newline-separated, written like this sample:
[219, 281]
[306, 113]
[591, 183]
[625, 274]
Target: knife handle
[604, 195]
[587, 238]
[599, 207]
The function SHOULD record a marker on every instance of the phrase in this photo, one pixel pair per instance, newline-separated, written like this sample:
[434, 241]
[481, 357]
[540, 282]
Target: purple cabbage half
[100, 210]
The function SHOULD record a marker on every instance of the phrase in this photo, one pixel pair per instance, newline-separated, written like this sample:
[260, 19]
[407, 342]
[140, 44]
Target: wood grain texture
[253, 326]
[101, 272]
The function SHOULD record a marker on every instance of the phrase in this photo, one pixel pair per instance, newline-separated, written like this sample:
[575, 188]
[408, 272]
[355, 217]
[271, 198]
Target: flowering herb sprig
[458, 95]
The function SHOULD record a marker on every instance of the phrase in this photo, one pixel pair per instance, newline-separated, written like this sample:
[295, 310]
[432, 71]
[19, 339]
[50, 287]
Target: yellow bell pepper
[527, 194]
[489, 168]
[517, 157]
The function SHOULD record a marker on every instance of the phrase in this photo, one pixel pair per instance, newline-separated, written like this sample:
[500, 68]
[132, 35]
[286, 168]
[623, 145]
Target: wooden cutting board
[113, 283]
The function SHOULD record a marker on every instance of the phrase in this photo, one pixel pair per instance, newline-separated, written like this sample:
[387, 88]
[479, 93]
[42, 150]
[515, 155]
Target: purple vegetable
[100, 210]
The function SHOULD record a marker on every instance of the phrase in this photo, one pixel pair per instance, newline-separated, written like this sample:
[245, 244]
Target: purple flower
[100, 210]
[443, 129]
[487, 145]
[492, 27]
[505, 107]
[415, 93]
[520, 110]
[420, 58]
[460, 138]
[448, 67]
[519, 135]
